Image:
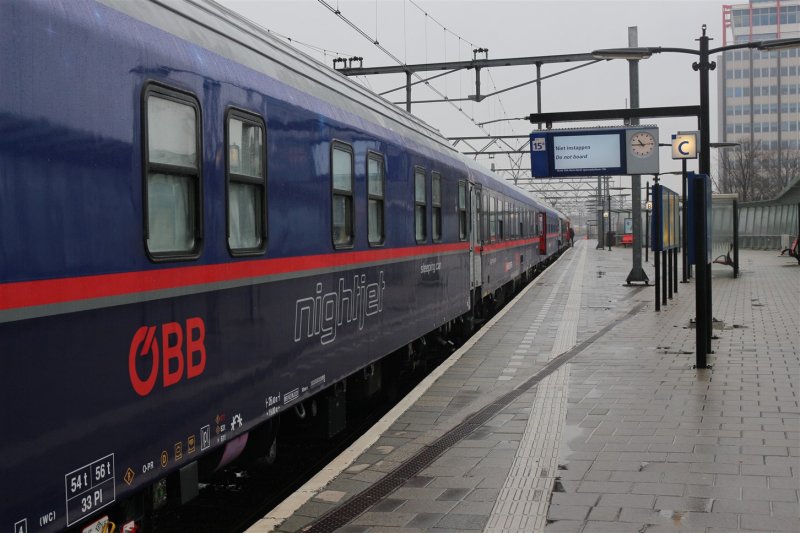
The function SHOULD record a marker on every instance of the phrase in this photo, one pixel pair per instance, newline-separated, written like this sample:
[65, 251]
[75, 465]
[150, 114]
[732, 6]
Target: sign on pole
[594, 152]
[684, 145]
[665, 235]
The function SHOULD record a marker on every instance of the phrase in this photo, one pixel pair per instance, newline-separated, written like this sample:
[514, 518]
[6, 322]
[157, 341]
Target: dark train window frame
[375, 156]
[347, 148]
[246, 179]
[512, 220]
[463, 229]
[485, 216]
[195, 175]
[420, 171]
[502, 209]
[436, 208]
[492, 218]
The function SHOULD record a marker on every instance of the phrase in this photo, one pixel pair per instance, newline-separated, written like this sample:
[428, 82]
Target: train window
[342, 197]
[503, 208]
[420, 205]
[523, 224]
[462, 211]
[247, 213]
[493, 219]
[436, 206]
[520, 222]
[376, 174]
[173, 209]
[485, 218]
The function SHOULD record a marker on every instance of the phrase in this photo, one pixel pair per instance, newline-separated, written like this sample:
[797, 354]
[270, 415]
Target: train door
[475, 234]
[543, 234]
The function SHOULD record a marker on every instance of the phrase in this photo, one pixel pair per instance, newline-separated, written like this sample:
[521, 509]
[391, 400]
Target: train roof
[227, 33]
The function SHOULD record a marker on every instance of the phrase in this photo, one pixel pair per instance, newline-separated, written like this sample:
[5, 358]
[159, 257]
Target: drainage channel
[342, 515]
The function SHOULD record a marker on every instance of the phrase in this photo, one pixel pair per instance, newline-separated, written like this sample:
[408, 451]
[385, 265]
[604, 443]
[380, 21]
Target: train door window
[420, 205]
[503, 209]
[247, 214]
[485, 217]
[173, 186]
[523, 217]
[492, 219]
[516, 221]
[342, 183]
[479, 214]
[436, 206]
[462, 211]
[376, 176]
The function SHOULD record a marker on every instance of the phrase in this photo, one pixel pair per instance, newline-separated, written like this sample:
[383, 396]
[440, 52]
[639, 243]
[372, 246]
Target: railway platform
[578, 409]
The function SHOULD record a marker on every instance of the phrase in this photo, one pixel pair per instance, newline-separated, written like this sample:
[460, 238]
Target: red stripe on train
[51, 291]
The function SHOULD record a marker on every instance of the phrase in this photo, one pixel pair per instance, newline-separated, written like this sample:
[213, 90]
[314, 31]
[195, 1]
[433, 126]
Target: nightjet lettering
[321, 315]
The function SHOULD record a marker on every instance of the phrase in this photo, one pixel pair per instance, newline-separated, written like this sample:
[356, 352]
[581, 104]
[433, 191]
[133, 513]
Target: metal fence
[767, 227]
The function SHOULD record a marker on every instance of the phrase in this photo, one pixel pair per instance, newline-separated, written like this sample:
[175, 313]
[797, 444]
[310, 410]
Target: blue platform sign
[594, 152]
[693, 228]
[557, 154]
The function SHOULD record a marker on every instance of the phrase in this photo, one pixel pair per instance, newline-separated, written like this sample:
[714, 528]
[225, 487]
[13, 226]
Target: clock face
[642, 144]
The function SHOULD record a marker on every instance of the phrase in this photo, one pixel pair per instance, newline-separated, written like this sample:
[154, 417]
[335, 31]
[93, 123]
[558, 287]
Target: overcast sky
[511, 29]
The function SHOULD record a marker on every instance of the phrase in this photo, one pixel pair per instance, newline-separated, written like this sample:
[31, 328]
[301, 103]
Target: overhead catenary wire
[397, 60]
[316, 48]
[460, 39]
[439, 23]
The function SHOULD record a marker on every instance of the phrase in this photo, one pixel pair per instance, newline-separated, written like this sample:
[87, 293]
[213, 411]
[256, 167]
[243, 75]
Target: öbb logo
[169, 351]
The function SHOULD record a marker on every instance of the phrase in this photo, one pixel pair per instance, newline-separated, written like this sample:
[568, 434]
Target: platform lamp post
[703, 66]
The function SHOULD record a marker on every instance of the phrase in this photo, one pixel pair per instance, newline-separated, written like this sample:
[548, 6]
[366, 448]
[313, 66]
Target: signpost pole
[698, 211]
[669, 272]
[664, 276]
[684, 235]
[675, 270]
[601, 228]
[657, 265]
[647, 226]
[704, 66]
[637, 273]
[656, 248]
[735, 239]
[608, 196]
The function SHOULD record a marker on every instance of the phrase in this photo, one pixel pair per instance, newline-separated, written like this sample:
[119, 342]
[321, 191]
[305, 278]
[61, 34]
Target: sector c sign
[684, 145]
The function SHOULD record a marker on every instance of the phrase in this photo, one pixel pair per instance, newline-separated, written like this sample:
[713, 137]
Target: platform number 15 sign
[537, 145]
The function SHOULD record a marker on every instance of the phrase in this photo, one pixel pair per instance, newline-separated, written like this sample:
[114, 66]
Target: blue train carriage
[201, 230]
